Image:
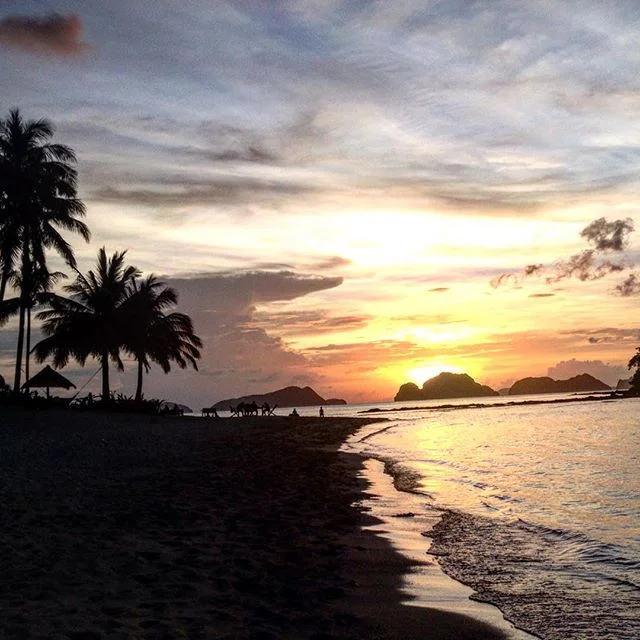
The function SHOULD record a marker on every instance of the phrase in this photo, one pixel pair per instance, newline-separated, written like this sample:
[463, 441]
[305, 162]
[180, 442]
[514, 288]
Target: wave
[554, 583]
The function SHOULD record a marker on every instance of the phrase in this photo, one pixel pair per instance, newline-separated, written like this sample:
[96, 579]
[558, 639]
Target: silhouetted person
[293, 414]
[321, 412]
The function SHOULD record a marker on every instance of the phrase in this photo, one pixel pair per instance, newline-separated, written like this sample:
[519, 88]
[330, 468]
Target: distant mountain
[287, 397]
[445, 385]
[582, 382]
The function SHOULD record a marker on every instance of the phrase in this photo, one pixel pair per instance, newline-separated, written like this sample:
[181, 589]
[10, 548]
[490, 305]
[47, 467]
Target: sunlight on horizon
[421, 374]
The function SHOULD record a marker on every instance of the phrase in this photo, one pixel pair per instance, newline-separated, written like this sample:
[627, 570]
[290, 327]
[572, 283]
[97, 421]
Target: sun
[420, 375]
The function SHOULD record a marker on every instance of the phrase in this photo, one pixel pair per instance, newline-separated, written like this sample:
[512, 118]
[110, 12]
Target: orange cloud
[54, 34]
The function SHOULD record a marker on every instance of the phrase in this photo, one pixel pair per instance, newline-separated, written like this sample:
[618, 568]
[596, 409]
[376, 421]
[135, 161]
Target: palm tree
[154, 335]
[40, 294]
[92, 322]
[38, 197]
[635, 363]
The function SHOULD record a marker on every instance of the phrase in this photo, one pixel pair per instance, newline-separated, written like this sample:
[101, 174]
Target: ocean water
[539, 504]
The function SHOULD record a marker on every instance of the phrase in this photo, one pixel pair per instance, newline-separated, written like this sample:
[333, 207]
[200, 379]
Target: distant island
[462, 385]
[445, 385]
[582, 382]
[287, 397]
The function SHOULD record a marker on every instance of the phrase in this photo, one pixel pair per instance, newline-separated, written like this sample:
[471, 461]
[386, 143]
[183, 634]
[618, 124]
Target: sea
[537, 505]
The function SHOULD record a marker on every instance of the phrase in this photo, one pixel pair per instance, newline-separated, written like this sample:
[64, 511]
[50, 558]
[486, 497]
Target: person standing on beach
[321, 412]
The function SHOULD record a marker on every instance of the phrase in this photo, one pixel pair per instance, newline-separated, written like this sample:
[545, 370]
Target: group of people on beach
[295, 414]
[241, 410]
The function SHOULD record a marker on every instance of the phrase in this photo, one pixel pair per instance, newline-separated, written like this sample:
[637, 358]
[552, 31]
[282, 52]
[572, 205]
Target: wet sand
[119, 526]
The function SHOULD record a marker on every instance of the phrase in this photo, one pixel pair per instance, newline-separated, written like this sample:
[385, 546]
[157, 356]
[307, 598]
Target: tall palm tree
[38, 198]
[154, 335]
[92, 321]
[39, 294]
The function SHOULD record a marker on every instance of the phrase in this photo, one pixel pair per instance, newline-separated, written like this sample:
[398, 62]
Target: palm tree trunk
[104, 363]
[25, 295]
[19, 349]
[139, 383]
[27, 351]
[4, 278]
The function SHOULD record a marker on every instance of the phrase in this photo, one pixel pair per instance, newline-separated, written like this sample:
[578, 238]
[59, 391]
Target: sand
[117, 526]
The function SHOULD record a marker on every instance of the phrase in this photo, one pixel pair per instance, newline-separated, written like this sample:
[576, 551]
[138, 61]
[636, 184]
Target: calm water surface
[540, 504]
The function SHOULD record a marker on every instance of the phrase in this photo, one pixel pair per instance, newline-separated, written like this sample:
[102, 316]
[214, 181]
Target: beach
[122, 526]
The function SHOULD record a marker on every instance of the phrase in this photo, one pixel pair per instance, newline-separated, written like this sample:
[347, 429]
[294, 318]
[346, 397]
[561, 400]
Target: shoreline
[121, 526]
[404, 520]
[604, 397]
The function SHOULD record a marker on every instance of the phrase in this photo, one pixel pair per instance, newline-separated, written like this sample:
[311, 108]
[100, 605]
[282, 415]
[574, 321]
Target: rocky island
[544, 384]
[445, 385]
[287, 397]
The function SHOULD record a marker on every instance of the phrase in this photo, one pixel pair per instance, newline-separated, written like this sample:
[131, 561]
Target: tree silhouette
[635, 362]
[93, 321]
[37, 198]
[155, 336]
[39, 294]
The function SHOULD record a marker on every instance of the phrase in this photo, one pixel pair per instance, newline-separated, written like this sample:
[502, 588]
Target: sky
[335, 187]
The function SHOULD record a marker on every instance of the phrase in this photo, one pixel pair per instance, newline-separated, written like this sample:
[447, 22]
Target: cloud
[607, 335]
[584, 266]
[251, 153]
[608, 236]
[542, 295]
[587, 265]
[303, 323]
[630, 286]
[54, 34]
[330, 262]
[504, 279]
[608, 373]
[238, 291]
[532, 269]
[217, 190]
[365, 356]
[244, 349]
[438, 290]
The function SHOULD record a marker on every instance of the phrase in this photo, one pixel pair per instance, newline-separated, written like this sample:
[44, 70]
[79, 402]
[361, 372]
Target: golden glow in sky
[421, 374]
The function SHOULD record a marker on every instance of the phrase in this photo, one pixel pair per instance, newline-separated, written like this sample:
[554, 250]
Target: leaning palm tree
[154, 335]
[91, 323]
[38, 198]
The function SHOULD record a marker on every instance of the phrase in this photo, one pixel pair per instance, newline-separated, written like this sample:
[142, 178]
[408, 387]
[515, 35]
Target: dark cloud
[584, 266]
[54, 34]
[607, 237]
[217, 190]
[243, 348]
[532, 269]
[438, 290]
[542, 295]
[239, 291]
[630, 286]
[250, 153]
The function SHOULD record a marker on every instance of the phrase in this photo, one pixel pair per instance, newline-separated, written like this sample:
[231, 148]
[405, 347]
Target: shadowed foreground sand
[127, 527]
